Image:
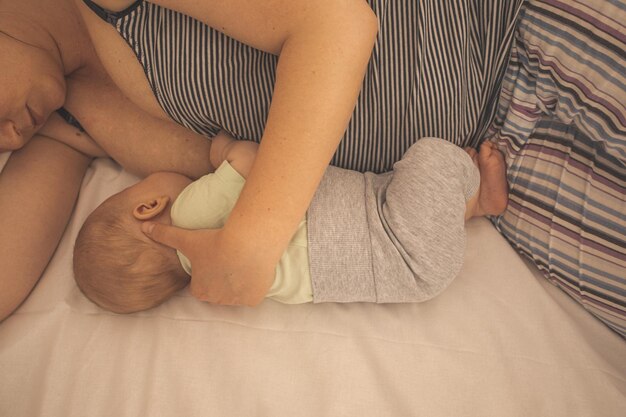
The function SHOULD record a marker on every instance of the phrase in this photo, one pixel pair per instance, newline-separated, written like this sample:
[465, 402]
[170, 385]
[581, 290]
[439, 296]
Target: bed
[502, 340]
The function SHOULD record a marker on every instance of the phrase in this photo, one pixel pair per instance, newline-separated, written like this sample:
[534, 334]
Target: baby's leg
[424, 207]
[492, 196]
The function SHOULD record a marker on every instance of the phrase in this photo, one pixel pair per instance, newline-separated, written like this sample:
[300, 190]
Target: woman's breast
[201, 78]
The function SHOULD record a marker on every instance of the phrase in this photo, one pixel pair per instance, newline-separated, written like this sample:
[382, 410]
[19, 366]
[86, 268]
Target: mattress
[500, 341]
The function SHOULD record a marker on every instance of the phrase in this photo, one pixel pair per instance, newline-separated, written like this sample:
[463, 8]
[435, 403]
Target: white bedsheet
[501, 341]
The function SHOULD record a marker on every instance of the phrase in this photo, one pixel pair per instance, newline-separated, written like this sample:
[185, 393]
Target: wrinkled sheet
[501, 341]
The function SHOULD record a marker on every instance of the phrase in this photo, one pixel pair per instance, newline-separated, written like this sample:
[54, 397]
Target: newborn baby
[418, 212]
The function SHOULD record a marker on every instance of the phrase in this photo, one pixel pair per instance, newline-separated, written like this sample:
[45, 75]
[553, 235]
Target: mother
[434, 70]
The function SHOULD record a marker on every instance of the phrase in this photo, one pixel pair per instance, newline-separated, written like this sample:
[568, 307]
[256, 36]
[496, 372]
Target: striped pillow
[561, 122]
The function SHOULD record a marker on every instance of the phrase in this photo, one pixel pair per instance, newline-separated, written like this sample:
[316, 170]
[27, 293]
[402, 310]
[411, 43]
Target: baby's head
[118, 267]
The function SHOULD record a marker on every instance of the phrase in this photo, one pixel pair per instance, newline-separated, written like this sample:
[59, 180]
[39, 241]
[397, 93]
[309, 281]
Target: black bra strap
[67, 116]
[108, 16]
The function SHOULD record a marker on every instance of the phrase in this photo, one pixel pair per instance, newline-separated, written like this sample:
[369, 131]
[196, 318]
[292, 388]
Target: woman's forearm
[38, 189]
[138, 141]
[319, 75]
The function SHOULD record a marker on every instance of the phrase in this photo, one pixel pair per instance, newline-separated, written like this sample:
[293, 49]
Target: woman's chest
[119, 62]
[201, 78]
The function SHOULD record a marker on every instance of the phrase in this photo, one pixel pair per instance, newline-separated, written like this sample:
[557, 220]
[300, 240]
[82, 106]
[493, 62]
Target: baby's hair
[118, 271]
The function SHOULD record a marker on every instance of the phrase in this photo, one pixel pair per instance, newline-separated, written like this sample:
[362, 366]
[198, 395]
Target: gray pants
[393, 237]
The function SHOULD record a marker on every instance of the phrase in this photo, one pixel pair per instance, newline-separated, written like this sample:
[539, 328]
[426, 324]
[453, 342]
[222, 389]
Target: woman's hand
[223, 272]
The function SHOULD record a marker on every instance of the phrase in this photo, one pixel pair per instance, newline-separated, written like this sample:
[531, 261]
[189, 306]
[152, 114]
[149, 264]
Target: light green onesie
[207, 203]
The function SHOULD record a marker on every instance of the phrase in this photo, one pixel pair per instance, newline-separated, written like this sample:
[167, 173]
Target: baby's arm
[240, 154]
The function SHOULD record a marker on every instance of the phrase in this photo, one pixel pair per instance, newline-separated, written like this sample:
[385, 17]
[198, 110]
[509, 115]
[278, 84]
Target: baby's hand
[239, 153]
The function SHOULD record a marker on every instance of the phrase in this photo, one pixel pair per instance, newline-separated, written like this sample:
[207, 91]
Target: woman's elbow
[369, 21]
[359, 18]
[345, 17]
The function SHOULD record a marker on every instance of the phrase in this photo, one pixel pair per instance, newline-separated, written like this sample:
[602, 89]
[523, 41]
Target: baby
[393, 237]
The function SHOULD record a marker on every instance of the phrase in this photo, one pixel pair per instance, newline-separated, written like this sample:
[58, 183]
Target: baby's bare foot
[493, 194]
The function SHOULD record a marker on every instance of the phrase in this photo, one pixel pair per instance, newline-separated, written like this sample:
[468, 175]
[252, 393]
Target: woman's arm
[38, 189]
[137, 140]
[324, 47]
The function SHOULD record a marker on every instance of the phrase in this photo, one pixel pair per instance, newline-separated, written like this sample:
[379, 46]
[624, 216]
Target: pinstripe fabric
[435, 70]
[562, 124]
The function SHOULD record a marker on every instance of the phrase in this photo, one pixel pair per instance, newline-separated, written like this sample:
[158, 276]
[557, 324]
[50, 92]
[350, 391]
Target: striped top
[435, 70]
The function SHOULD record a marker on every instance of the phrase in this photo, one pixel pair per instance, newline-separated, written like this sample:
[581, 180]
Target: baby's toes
[485, 152]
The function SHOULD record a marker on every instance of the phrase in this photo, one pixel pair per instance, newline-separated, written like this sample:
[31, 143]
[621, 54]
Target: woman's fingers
[220, 274]
[171, 236]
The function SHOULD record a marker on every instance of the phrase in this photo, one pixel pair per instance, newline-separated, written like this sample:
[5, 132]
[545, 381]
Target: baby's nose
[10, 136]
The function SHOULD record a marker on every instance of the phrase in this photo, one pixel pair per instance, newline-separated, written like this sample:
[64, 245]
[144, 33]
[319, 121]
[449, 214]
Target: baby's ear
[150, 209]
